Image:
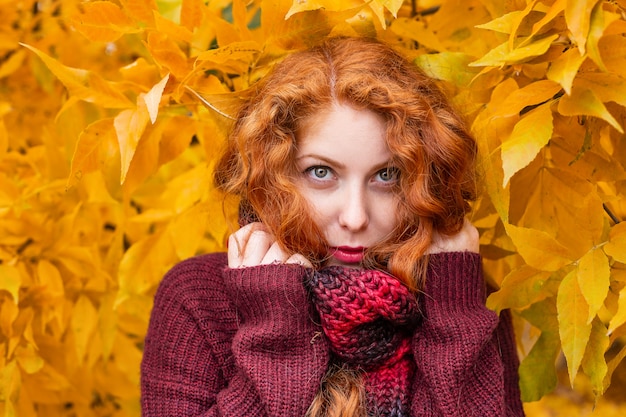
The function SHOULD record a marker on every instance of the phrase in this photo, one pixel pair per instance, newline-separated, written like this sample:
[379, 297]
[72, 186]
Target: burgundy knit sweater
[246, 342]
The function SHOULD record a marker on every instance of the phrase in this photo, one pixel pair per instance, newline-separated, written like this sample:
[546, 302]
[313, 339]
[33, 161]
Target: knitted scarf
[367, 317]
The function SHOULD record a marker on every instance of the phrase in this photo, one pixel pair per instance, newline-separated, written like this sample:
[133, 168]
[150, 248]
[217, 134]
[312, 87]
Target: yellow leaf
[448, 66]
[529, 136]
[103, 21]
[596, 29]
[177, 133]
[578, 17]
[585, 102]
[129, 127]
[28, 359]
[172, 30]
[238, 51]
[300, 6]
[607, 87]
[11, 63]
[593, 280]
[153, 98]
[8, 314]
[187, 230]
[504, 23]
[594, 362]
[503, 54]
[620, 315]
[143, 265]
[532, 94]
[84, 85]
[11, 384]
[574, 329]
[86, 154]
[520, 288]
[50, 278]
[11, 281]
[168, 54]
[419, 32]
[191, 12]
[616, 247]
[539, 249]
[565, 67]
[554, 11]
[141, 10]
[83, 324]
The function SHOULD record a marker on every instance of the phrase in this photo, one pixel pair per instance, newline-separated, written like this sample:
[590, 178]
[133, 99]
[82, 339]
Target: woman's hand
[466, 240]
[254, 245]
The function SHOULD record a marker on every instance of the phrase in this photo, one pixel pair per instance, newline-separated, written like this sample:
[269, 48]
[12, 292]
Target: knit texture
[248, 342]
[368, 317]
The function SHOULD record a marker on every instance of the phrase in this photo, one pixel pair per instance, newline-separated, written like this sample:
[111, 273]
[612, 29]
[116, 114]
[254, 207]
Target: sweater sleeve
[231, 342]
[465, 355]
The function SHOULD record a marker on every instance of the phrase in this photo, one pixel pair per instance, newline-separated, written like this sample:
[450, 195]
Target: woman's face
[347, 178]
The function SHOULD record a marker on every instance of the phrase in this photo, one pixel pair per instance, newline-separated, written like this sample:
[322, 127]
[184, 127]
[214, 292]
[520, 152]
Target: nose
[354, 213]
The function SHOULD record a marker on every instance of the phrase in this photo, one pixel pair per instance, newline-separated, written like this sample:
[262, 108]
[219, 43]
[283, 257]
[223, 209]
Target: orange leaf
[103, 21]
[141, 10]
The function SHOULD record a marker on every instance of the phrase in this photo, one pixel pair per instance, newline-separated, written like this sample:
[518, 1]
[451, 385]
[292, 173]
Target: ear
[246, 213]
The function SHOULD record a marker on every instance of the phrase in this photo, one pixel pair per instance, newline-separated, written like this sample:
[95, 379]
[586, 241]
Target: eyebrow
[338, 164]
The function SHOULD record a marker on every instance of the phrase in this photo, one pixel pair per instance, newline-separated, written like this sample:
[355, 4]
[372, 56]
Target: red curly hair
[429, 142]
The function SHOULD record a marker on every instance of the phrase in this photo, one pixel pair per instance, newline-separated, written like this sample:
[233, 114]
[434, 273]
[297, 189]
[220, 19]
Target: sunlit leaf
[153, 98]
[585, 102]
[530, 134]
[449, 66]
[129, 127]
[504, 23]
[505, 55]
[11, 281]
[141, 10]
[578, 17]
[28, 359]
[86, 155]
[616, 247]
[555, 10]
[168, 54]
[103, 21]
[593, 280]
[539, 249]
[520, 288]
[574, 329]
[191, 13]
[565, 67]
[172, 30]
[83, 324]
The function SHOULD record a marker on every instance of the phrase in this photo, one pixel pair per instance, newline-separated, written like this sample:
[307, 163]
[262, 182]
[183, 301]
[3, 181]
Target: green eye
[319, 172]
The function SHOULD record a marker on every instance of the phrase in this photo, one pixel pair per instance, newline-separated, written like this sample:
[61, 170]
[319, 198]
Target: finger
[299, 259]
[274, 254]
[259, 242]
[238, 241]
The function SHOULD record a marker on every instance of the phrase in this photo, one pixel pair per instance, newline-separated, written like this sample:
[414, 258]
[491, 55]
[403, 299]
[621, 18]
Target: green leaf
[529, 136]
[574, 328]
[594, 363]
[593, 280]
[537, 371]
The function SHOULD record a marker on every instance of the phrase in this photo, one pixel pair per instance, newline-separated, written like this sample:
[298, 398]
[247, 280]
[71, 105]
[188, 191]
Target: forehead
[342, 127]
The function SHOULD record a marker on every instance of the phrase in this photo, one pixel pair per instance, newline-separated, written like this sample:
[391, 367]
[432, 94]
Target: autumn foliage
[112, 114]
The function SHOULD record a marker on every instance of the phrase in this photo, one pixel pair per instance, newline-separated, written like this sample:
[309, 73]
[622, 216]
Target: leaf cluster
[112, 114]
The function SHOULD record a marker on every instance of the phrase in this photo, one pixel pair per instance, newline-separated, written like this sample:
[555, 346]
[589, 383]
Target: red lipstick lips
[348, 254]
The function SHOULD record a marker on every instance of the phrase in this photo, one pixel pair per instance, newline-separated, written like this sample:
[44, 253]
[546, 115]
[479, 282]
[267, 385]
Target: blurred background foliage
[112, 114]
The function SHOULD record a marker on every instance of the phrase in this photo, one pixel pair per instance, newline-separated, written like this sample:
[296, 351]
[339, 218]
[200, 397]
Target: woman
[354, 286]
